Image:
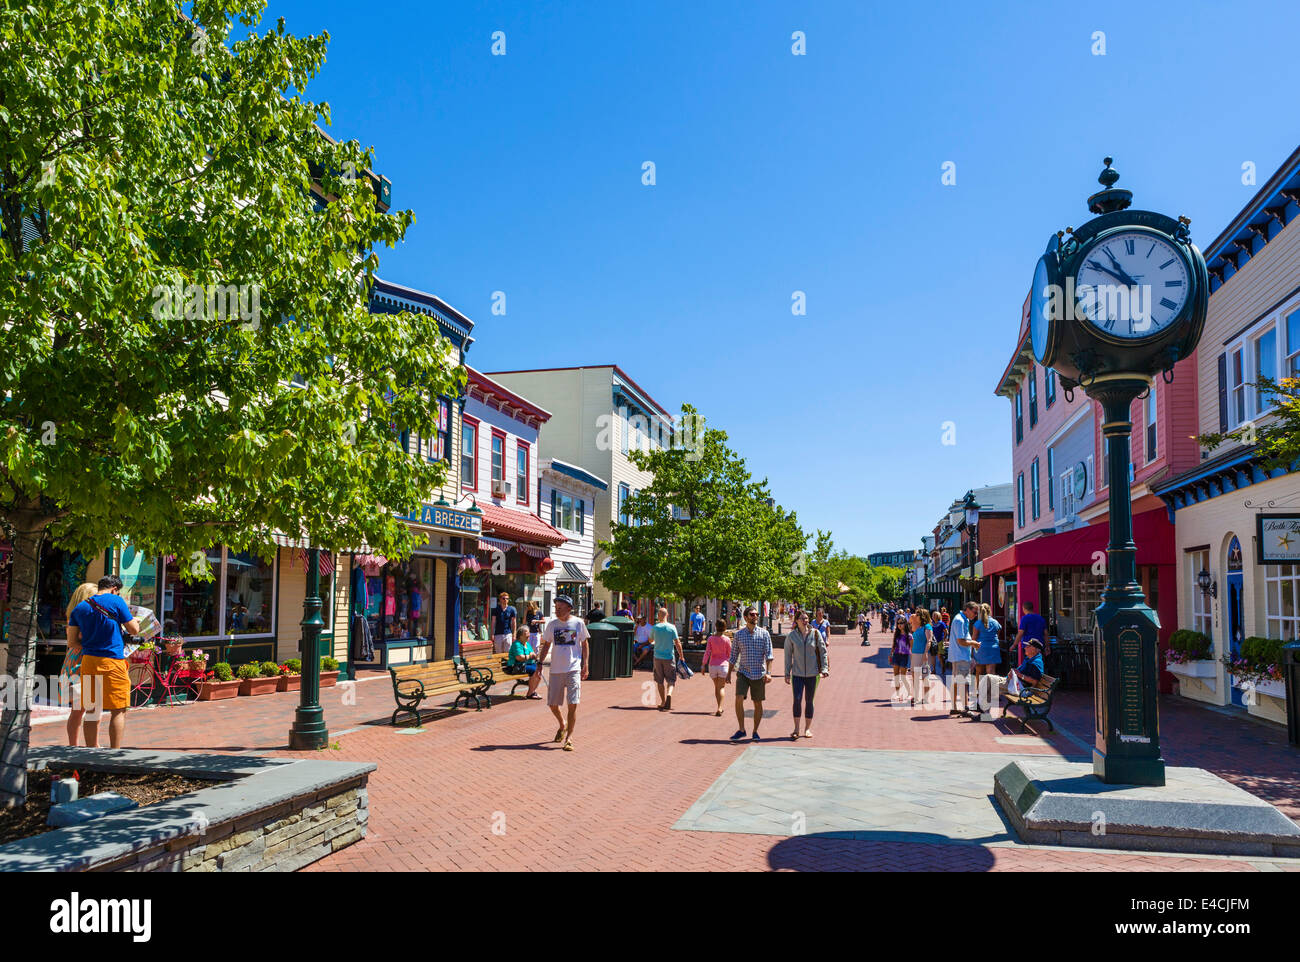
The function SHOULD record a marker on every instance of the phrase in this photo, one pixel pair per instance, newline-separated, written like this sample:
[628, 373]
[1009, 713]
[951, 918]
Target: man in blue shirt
[697, 624]
[668, 651]
[1031, 669]
[504, 622]
[95, 629]
[1032, 625]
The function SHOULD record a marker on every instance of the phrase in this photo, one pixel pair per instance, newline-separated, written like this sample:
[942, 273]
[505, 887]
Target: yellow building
[1237, 524]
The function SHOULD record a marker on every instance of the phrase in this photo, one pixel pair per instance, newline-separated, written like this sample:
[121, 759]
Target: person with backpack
[97, 625]
[807, 660]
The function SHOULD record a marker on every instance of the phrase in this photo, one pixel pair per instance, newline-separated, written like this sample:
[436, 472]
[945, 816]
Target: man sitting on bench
[644, 645]
[1031, 669]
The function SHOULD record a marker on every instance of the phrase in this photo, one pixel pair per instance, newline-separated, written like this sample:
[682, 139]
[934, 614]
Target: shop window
[1282, 604]
[468, 454]
[239, 600]
[399, 599]
[61, 572]
[1198, 561]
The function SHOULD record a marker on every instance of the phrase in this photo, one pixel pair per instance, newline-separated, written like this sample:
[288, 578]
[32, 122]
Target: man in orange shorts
[97, 624]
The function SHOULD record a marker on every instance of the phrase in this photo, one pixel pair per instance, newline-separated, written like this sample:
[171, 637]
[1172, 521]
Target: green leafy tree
[1278, 440]
[703, 528]
[186, 357]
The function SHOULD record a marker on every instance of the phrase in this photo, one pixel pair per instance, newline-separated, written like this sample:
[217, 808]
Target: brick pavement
[479, 790]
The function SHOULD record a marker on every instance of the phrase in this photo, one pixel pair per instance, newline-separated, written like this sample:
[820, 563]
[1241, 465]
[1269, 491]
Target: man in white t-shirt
[566, 637]
[960, 652]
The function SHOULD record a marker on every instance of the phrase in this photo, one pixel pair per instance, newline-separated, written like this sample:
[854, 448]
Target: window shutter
[582, 515]
[1223, 393]
[554, 510]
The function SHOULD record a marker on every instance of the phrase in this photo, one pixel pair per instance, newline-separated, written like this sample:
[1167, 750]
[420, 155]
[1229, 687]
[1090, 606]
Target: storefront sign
[448, 519]
[1277, 539]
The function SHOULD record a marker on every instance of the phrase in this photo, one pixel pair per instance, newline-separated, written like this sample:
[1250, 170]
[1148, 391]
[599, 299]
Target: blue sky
[778, 173]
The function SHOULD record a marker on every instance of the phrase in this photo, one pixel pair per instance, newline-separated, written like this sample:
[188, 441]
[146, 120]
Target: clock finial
[1111, 198]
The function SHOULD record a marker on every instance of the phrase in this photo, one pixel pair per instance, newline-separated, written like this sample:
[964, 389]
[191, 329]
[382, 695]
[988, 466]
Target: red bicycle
[162, 676]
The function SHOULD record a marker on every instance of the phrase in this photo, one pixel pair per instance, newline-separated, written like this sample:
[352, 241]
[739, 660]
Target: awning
[326, 561]
[573, 573]
[492, 544]
[1152, 532]
[519, 526]
[534, 551]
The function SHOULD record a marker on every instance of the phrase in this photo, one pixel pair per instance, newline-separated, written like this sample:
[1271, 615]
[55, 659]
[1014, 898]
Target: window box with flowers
[291, 675]
[1258, 667]
[1191, 655]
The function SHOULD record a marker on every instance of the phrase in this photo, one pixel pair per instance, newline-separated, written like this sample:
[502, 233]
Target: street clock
[1125, 293]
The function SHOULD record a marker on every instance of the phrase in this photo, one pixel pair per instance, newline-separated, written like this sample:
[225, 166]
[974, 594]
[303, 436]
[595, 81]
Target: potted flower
[174, 646]
[291, 675]
[329, 671]
[220, 683]
[253, 681]
[142, 653]
[1258, 667]
[1191, 654]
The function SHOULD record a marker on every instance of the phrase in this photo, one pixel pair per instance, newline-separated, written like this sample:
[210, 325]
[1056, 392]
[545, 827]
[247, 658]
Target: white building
[568, 502]
[598, 415]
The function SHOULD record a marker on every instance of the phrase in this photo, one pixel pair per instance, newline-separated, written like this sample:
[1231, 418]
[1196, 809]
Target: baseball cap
[1035, 642]
[565, 598]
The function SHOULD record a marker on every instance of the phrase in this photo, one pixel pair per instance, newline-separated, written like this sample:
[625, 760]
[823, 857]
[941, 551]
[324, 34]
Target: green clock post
[1116, 303]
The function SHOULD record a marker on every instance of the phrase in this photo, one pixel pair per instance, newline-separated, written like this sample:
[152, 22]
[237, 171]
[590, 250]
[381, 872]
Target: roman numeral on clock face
[1167, 303]
[1129, 245]
[1167, 263]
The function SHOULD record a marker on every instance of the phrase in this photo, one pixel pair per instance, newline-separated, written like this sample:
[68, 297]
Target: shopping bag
[1013, 684]
[683, 670]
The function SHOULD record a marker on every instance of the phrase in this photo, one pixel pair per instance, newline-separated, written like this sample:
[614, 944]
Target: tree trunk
[20, 666]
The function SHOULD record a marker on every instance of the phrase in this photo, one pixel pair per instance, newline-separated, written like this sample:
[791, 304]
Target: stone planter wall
[263, 815]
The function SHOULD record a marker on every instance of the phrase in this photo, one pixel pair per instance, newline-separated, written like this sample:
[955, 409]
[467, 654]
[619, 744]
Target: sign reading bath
[1277, 539]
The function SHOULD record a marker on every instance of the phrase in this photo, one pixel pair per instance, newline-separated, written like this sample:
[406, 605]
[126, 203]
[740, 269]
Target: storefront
[1063, 576]
[1238, 543]
[515, 557]
[409, 610]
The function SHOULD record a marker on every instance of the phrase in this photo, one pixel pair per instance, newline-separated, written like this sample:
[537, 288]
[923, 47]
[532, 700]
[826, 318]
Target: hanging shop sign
[447, 519]
[1277, 539]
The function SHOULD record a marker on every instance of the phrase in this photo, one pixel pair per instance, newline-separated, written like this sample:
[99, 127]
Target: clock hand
[1121, 275]
[1105, 270]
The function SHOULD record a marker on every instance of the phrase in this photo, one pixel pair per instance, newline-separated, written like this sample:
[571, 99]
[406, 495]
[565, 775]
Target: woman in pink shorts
[717, 657]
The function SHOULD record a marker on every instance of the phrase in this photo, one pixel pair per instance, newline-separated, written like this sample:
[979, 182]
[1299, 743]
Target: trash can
[1291, 677]
[623, 647]
[604, 637]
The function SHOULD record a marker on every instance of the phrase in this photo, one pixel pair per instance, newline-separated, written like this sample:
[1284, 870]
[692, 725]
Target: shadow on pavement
[838, 851]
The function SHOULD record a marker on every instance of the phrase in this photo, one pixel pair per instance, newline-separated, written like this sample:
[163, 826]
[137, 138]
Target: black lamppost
[309, 731]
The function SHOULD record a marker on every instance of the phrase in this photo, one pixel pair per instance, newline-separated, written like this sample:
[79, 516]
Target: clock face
[1039, 302]
[1132, 284]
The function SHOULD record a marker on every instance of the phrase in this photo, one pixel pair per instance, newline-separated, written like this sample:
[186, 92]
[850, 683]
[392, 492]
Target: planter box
[216, 690]
[1205, 668]
[258, 686]
[1276, 689]
[328, 679]
[289, 683]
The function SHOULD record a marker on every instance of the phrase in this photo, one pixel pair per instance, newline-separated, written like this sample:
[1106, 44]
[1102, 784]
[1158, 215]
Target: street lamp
[309, 731]
[1205, 581]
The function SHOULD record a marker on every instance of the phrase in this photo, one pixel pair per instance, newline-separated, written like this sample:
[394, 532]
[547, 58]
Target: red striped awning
[521, 526]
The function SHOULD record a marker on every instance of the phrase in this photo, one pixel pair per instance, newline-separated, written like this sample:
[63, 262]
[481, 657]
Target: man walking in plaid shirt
[751, 655]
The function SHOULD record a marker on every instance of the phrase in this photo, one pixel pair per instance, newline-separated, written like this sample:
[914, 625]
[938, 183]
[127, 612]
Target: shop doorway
[1235, 633]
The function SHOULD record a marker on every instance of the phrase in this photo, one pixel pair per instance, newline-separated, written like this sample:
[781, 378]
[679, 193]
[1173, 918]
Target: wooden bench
[413, 684]
[478, 663]
[1036, 702]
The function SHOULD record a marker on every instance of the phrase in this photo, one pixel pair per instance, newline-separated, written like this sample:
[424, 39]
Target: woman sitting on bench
[523, 660]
